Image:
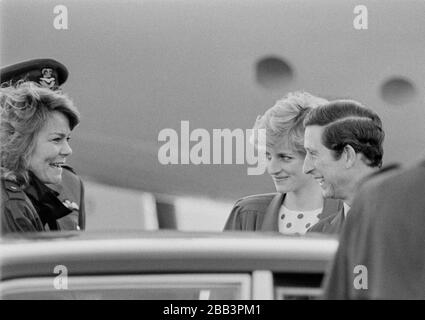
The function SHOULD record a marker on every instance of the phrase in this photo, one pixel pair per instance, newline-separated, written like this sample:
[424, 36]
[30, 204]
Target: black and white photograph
[228, 150]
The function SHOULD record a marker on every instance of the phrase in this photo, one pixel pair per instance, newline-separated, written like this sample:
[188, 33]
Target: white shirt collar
[346, 209]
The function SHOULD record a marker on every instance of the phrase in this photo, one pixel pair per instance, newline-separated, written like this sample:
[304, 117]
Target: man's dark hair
[348, 122]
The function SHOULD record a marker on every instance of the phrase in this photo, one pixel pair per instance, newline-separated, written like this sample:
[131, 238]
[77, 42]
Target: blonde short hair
[285, 119]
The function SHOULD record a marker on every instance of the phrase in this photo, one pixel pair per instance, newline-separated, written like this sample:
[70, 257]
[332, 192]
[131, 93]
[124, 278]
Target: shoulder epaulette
[13, 190]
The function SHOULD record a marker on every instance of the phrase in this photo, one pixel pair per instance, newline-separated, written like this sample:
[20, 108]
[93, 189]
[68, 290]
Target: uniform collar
[346, 209]
[46, 202]
[37, 189]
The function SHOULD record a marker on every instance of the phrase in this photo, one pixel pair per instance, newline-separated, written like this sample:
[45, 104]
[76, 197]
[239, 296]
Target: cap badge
[47, 80]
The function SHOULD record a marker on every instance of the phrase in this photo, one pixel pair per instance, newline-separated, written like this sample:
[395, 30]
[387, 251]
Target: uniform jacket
[71, 194]
[43, 207]
[384, 235]
[261, 212]
[17, 212]
[46, 202]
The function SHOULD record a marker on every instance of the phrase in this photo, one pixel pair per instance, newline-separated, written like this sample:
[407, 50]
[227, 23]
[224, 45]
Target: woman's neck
[306, 199]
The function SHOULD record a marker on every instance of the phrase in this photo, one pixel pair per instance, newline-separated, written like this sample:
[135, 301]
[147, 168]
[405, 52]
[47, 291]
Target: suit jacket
[332, 224]
[260, 212]
[384, 236]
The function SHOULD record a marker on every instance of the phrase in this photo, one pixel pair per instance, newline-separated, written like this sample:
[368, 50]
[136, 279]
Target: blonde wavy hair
[24, 110]
[285, 120]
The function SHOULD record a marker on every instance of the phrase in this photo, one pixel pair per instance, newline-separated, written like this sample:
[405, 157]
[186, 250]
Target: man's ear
[350, 156]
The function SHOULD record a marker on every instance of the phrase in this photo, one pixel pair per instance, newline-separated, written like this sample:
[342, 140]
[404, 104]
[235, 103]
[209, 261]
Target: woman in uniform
[36, 125]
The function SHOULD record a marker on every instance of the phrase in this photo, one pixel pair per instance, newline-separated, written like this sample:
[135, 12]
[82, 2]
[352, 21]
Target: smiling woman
[36, 124]
[51, 149]
[298, 203]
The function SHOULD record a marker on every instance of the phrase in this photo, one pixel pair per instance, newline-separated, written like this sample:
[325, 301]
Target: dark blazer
[260, 212]
[383, 233]
[332, 224]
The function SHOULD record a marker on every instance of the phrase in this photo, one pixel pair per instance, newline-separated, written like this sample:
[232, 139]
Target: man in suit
[381, 250]
[343, 140]
[52, 74]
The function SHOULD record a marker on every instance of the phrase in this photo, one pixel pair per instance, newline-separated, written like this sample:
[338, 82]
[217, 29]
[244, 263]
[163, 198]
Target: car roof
[97, 253]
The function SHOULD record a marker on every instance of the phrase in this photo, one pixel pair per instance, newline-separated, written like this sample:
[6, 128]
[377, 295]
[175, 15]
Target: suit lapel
[331, 207]
[335, 226]
[271, 217]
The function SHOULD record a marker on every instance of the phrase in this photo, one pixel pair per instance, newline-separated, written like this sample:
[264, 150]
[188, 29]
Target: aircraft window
[273, 72]
[398, 91]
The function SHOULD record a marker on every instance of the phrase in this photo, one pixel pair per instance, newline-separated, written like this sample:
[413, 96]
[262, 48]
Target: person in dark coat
[52, 74]
[381, 249]
[34, 135]
[343, 140]
[298, 203]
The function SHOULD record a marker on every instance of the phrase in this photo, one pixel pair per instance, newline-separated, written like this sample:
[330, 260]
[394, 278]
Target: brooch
[70, 205]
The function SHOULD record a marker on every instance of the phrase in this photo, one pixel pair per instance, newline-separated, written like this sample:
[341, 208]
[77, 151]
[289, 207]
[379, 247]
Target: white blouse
[297, 222]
